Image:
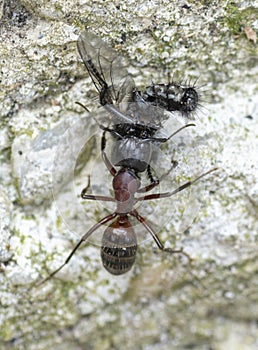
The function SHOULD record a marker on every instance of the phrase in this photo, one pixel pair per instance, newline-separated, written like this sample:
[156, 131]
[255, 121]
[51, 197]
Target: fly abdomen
[173, 97]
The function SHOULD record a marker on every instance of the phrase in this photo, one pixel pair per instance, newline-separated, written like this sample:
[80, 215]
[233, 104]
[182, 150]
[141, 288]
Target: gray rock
[163, 303]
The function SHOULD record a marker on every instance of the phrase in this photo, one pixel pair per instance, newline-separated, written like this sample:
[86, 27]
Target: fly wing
[107, 70]
[116, 87]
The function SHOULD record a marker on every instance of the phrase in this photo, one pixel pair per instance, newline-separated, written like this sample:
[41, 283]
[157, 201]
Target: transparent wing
[116, 87]
[107, 70]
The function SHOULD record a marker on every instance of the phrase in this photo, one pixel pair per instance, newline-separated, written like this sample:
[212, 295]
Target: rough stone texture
[49, 145]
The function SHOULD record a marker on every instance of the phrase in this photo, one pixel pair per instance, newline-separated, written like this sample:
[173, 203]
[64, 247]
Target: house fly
[133, 118]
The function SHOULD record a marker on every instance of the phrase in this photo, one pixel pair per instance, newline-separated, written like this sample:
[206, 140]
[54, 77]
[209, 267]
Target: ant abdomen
[119, 247]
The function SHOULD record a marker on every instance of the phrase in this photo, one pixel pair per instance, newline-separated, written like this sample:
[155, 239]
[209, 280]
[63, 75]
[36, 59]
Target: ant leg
[83, 238]
[154, 235]
[107, 162]
[93, 196]
[155, 183]
[86, 188]
[179, 189]
[112, 170]
[149, 172]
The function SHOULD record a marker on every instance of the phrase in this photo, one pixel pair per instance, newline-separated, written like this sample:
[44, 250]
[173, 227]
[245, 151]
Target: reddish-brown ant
[119, 242]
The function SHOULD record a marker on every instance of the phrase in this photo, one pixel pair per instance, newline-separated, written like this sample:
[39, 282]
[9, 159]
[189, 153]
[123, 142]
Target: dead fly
[116, 87]
[134, 119]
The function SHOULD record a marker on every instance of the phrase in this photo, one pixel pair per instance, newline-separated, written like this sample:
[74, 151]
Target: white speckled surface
[163, 303]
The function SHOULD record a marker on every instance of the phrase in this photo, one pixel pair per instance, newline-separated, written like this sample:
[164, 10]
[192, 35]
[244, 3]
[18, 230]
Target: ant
[119, 242]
